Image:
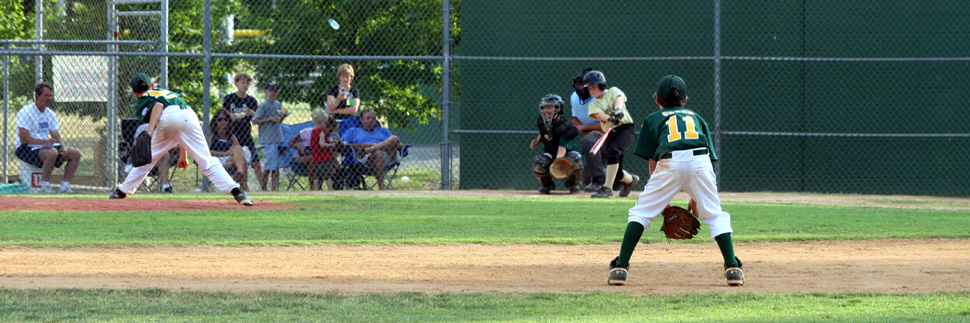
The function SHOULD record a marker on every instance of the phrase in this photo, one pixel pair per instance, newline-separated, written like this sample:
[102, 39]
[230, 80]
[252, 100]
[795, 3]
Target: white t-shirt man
[39, 124]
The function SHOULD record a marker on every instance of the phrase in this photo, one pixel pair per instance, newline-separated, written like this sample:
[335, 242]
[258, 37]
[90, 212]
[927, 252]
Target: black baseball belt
[697, 152]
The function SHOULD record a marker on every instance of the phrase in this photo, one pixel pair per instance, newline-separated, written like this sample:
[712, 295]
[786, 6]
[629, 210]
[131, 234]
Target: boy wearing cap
[677, 143]
[172, 122]
[269, 117]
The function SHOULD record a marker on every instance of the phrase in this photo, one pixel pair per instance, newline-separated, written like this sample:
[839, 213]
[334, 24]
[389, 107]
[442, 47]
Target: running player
[172, 122]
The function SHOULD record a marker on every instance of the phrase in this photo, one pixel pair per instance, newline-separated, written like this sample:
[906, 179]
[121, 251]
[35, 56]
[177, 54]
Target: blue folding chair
[354, 174]
[294, 170]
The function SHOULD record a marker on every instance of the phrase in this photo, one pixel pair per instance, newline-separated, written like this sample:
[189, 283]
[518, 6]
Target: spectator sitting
[227, 148]
[323, 145]
[35, 123]
[376, 145]
[316, 149]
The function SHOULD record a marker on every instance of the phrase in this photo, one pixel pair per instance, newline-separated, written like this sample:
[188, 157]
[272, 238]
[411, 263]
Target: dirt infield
[894, 266]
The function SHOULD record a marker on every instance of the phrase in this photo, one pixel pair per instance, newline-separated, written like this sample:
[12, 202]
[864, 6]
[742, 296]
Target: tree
[399, 90]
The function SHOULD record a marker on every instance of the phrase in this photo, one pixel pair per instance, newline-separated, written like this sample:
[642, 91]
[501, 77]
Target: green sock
[630, 239]
[727, 249]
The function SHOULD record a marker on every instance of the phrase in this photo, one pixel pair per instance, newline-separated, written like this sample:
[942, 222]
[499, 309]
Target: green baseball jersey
[605, 105]
[672, 128]
[143, 108]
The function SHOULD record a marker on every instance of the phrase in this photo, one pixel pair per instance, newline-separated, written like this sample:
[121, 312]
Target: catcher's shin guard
[546, 183]
[541, 169]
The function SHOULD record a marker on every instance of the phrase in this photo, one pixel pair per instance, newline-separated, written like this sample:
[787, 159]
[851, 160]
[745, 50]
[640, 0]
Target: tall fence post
[445, 94]
[163, 61]
[6, 110]
[39, 35]
[206, 73]
[717, 82]
[111, 136]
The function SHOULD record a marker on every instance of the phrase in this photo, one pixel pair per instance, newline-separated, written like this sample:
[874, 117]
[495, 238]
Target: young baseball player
[269, 117]
[557, 138]
[172, 122]
[677, 143]
[609, 107]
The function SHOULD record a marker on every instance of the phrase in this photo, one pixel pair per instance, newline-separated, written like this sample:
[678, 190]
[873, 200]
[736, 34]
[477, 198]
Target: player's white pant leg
[664, 183]
[161, 143]
[193, 141]
[703, 190]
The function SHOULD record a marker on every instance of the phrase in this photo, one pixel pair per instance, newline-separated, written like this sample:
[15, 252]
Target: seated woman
[315, 149]
[227, 149]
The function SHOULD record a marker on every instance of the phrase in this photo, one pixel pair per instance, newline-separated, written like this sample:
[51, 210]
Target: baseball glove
[679, 223]
[561, 167]
[141, 151]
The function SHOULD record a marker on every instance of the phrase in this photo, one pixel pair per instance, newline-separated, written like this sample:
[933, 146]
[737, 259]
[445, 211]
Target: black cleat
[617, 273]
[627, 187]
[117, 195]
[241, 197]
[575, 189]
[734, 275]
[604, 193]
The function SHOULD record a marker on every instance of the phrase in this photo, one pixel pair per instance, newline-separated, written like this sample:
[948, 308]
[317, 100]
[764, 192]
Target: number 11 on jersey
[689, 133]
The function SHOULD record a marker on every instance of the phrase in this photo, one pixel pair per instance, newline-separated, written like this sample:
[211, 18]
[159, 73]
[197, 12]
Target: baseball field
[425, 256]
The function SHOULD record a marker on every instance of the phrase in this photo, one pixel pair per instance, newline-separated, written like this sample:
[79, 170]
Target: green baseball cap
[140, 77]
[671, 82]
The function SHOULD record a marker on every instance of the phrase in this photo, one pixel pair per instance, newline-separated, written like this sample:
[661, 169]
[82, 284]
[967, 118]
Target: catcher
[677, 143]
[557, 136]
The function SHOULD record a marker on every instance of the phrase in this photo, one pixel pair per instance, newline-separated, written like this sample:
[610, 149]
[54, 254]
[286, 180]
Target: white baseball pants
[692, 174]
[181, 127]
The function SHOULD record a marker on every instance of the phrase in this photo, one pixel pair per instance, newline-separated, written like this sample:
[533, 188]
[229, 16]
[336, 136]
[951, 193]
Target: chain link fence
[843, 96]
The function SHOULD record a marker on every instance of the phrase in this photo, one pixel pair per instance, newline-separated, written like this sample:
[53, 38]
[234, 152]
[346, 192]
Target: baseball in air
[405, 180]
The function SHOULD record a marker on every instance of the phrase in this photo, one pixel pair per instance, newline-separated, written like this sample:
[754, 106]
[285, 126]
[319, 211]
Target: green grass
[441, 220]
[165, 306]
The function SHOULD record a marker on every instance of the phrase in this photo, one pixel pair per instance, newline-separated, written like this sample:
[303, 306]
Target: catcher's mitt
[679, 223]
[561, 167]
[141, 151]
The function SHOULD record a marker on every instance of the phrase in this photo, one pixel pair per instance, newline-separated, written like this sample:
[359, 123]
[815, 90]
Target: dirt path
[896, 266]
[893, 266]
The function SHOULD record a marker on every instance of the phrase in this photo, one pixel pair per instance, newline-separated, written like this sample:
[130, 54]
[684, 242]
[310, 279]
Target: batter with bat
[609, 107]
[172, 122]
[677, 143]
[560, 158]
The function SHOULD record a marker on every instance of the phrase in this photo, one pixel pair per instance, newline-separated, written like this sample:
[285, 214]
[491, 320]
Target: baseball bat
[599, 143]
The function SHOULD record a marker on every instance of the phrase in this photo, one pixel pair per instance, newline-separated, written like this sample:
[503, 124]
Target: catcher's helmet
[593, 78]
[553, 100]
